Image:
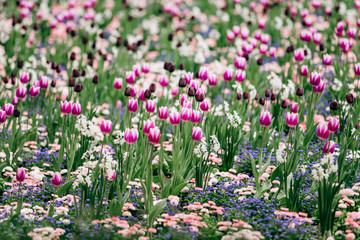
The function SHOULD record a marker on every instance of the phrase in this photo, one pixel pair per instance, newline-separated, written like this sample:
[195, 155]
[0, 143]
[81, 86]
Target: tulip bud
[56, 179]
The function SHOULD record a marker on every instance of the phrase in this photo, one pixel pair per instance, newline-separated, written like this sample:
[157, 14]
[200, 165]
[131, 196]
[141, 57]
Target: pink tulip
[228, 74]
[56, 179]
[2, 116]
[66, 107]
[230, 36]
[175, 118]
[315, 79]
[130, 77]
[106, 126]
[327, 60]
[357, 69]
[44, 82]
[333, 124]
[185, 114]
[131, 135]
[272, 51]
[148, 124]
[163, 113]
[189, 76]
[196, 134]
[154, 135]
[317, 38]
[265, 119]
[164, 80]
[150, 106]
[174, 91]
[20, 174]
[292, 119]
[34, 91]
[136, 70]
[132, 105]
[240, 75]
[21, 92]
[15, 101]
[8, 108]
[329, 147]
[195, 116]
[203, 73]
[110, 175]
[212, 79]
[299, 55]
[319, 88]
[76, 109]
[294, 107]
[304, 70]
[322, 131]
[24, 77]
[205, 105]
[145, 67]
[118, 82]
[240, 63]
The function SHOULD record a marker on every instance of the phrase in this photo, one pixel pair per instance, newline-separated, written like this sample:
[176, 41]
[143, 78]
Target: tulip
[185, 114]
[66, 107]
[195, 116]
[110, 175]
[272, 51]
[240, 75]
[329, 147]
[317, 38]
[132, 105]
[333, 124]
[299, 55]
[175, 118]
[106, 126]
[131, 135]
[236, 30]
[154, 135]
[205, 105]
[292, 119]
[44, 82]
[230, 36]
[20, 174]
[8, 108]
[145, 67]
[130, 77]
[174, 91]
[322, 131]
[319, 88]
[240, 63]
[196, 134]
[212, 79]
[304, 70]
[142, 95]
[2, 116]
[118, 83]
[21, 92]
[24, 77]
[189, 76]
[150, 106]
[228, 74]
[34, 91]
[294, 107]
[56, 179]
[164, 80]
[15, 101]
[136, 70]
[315, 79]
[263, 48]
[203, 73]
[76, 109]
[327, 60]
[148, 124]
[163, 113]
[357, 69]
[265, 119]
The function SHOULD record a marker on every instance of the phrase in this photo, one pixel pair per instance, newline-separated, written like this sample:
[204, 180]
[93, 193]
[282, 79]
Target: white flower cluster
[281, 154]
[202, 149]
[252, 91]
[87, 128]
[323, 169]
[83, 177]
[275, 81]
[337, 85]
[107, 162]
[238, 88]
[234, 119]
[119, 137]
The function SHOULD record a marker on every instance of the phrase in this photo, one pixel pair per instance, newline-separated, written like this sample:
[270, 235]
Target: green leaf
[156, 210]
[115, 207]
[51, 210]
[64, 189]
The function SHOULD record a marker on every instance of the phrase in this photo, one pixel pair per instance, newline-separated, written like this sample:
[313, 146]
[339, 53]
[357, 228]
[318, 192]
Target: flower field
[179, 119]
